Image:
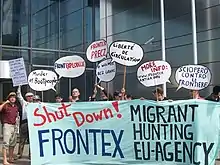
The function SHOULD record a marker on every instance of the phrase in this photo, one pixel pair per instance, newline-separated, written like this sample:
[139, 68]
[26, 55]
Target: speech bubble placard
[42, 80]
[154, 73]
[97, 51]
[126, 53]
[193, 77]
[106, 70]
[70, 66]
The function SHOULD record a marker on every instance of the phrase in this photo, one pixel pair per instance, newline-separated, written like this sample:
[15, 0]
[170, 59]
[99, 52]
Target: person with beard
[24, 134]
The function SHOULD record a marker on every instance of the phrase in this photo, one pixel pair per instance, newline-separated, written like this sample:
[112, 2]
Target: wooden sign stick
[124, 78]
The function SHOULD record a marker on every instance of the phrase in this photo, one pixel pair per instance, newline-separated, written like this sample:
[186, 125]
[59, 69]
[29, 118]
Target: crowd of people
[14, 116]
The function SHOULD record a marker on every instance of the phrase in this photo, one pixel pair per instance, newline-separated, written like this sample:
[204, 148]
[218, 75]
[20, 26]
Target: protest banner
[128, 132]
[97, 51]
[193, 77]
[106, 70]
[70, 66]
[18, 72]
[154, 73]
[42, 80]
[126, 53]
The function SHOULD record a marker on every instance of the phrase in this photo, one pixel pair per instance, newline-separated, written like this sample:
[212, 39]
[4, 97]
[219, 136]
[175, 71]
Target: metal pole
[163, 39]
[195, 54]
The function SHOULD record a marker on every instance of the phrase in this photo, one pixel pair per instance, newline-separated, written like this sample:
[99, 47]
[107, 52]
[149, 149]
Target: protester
[75, 95]
[37, 99]
[117, 95]
[58, 98]
[194, 94]
[129, 97]
[24, 135]
[159, 94]
[122, 94]
[104, 95]
[215, 94]
[10, 121]
[70, 99]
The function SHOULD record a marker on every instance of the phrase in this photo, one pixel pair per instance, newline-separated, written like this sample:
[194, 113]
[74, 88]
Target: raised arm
[20, 97]
[2, 106]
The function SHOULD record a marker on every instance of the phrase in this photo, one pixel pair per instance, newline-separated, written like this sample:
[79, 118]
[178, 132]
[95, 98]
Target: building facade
[41, 31]
[139, 21]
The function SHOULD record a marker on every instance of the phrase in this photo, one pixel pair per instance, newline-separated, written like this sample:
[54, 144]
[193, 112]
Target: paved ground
[24, 161]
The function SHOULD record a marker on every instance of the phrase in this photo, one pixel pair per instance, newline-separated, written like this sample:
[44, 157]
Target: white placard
[42, 80]
[97, 51]
[18, 72]
[126, 53]
[154, 73]
[106, 70]
[70, 66]
[193, 77]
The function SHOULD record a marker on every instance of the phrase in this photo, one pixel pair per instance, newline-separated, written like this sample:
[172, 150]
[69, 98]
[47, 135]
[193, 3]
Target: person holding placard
[24, 134]
[10, 121]
[105, 96]
[117, 95]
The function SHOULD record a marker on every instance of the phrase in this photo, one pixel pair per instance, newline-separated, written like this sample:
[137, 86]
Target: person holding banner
[24, 134]
[10, 121]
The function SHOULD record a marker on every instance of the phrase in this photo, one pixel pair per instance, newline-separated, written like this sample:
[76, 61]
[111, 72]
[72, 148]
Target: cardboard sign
[97, 51]
[154, 73]
[193, 77]
[106, 70]
[18, 72]
[137, 132]
[70, 66]
[42, 80]
[126, 53]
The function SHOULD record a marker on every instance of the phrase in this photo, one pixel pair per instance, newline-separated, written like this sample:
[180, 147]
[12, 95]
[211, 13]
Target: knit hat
[29, 94]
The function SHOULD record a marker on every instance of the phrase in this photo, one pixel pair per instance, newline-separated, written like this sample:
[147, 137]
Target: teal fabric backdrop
[128, 132]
